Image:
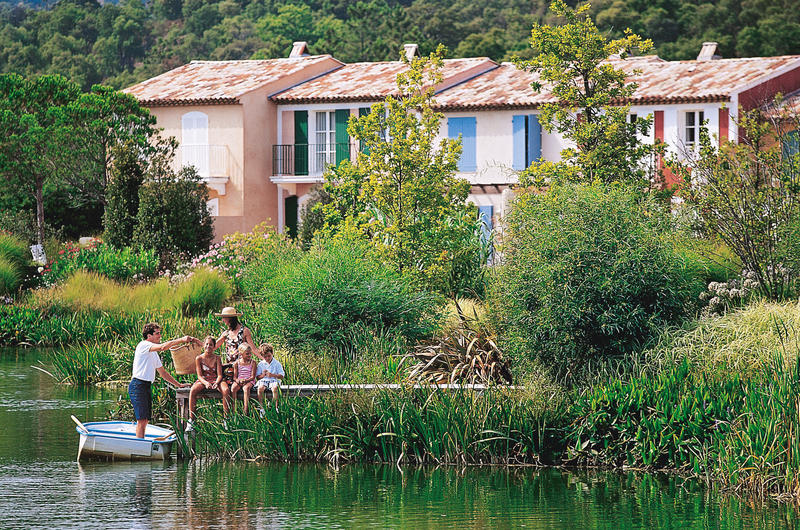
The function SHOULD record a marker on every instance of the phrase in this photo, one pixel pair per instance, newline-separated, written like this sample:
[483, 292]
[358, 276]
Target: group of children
[242, 374]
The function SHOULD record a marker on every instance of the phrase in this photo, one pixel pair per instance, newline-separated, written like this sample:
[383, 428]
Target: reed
[409, 426]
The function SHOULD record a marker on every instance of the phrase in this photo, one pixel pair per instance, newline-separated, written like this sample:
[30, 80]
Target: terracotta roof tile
[214, 82]
[374, 81]
[659, 82]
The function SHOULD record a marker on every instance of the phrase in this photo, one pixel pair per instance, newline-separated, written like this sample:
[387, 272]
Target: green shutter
[342, 139]
[301, 142]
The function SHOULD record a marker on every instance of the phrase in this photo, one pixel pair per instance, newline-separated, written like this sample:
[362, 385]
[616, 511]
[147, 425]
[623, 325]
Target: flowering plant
[723, 296]
[125, 264]
[232, 255]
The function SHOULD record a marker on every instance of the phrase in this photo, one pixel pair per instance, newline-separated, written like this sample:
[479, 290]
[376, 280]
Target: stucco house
[281, 121]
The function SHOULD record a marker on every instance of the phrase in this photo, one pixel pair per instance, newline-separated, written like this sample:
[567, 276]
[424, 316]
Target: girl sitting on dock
[209, 377]
[244, 375]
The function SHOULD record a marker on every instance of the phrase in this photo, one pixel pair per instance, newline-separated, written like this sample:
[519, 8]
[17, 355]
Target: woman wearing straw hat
[233, 337]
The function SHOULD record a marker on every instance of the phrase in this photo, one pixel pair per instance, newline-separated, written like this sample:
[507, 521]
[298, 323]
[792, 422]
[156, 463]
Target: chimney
[299, 49]
[708, 52]
[411, 50]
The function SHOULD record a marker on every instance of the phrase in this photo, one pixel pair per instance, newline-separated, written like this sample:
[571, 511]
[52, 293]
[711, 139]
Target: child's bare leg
[261, 390]
[246, 391]
[226, 398]
[234, 389]
[276, 393]
[197, 387]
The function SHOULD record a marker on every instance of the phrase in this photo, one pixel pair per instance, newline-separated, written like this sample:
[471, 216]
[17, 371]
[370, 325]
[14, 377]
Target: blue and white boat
[116, 440]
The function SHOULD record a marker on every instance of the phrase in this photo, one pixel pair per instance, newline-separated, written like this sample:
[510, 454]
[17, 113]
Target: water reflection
[42, 486]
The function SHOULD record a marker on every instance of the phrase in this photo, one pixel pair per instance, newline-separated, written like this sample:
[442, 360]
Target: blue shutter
[534, 139]
[518, 131]
[466, 127]
[790, 144]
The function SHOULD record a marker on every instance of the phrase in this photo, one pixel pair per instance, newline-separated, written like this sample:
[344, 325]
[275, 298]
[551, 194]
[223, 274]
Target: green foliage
[119, 264]
[590, 273]
[402, 192]
[205, 290]
[122, 197]
[199, 293]
[572, 61]
[10, 276]
[322, 298]
[236, 251]
[736, 429]
[747, 194]
[173, 218]
[312, 215]
[14, 250]
[406, 426]
[90, 363]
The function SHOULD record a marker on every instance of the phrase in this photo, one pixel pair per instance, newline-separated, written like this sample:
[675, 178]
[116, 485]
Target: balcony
[307, 162]
[214, 163]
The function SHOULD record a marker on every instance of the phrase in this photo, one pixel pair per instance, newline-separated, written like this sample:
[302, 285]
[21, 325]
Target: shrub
[335, 292]
[123, 264]
[173, 218]
[236, 251]
[590, 274]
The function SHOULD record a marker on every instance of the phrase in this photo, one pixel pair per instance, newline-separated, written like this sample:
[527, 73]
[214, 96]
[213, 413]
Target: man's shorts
[141, 394]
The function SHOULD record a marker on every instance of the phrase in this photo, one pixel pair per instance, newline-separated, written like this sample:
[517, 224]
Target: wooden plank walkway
[289, 391]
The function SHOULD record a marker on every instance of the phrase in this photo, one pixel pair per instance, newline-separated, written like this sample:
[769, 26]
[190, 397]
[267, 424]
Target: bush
[590, 274]
[205, 290]
[335, 292]
[236, 251]
[122, 265]
[173, 218]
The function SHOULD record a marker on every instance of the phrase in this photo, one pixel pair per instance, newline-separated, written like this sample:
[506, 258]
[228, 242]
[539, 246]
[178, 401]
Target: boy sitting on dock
[269, 375]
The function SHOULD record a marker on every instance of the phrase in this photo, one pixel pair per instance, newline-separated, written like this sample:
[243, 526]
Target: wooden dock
[294, 391]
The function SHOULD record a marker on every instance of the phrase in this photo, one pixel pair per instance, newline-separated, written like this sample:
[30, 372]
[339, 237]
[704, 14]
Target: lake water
[41, 485]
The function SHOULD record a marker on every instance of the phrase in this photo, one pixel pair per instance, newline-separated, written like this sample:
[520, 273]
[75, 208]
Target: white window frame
[325, 139]
[698, 116]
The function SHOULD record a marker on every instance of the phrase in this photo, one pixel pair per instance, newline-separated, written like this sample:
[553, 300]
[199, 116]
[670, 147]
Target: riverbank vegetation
[632, 332]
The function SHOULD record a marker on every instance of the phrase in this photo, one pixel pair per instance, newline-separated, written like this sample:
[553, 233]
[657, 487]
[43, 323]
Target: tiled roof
[214, 82]
[659, 82]
[374, 81]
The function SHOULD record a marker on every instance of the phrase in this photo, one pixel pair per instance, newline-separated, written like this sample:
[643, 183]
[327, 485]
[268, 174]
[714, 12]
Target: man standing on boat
[146, 363]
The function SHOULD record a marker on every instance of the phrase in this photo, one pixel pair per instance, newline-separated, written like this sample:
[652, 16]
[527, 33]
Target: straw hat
[228, 312]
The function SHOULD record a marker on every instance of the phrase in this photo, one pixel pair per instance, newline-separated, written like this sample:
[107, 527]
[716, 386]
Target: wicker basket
[183, 357]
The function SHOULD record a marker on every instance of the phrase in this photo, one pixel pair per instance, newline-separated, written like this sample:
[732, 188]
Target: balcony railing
[309, 159]
[214, 164]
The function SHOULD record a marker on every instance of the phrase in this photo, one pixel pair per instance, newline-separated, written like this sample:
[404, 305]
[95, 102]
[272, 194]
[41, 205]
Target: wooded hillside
[120, 44]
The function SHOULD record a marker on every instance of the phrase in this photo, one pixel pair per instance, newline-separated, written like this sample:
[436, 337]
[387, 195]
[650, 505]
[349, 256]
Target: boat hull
[116, 440]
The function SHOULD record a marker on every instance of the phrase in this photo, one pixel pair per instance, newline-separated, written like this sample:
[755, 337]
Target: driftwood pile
[465, 356]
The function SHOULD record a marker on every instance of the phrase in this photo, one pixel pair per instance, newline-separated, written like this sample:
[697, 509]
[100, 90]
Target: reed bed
[410, 426]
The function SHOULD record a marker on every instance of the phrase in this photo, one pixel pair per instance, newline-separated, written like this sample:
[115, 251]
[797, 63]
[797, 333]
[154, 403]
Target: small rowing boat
[116, 440]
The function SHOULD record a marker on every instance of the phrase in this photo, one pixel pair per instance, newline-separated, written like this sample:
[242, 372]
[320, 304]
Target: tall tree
[573, 63]
[402, 191]
[33, 129]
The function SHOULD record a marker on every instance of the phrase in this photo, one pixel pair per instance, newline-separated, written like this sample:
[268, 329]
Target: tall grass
[89, 291]
[91, 363]
[411, 426]
[738, 342]
[14, 250]
[10, 276]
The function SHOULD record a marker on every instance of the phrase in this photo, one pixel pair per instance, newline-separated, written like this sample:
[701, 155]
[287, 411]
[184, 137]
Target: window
[325, 139]
[632, 117]
[464, 127]
[213, 207]
[194, 142]
[527, 138]
[693, 120]
[790, 144]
